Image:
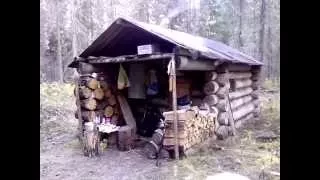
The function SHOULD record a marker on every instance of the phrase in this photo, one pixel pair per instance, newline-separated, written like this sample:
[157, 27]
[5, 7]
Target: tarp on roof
[123, 32]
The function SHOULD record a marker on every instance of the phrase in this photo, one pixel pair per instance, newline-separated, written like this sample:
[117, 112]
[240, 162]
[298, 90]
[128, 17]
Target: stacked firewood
[97, 99]
[194, 126]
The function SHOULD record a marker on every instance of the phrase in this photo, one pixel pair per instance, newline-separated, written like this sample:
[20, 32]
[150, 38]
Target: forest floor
[62, 158]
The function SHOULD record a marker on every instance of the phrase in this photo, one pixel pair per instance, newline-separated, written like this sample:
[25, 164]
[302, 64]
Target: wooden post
[174, 105]
[80, 125]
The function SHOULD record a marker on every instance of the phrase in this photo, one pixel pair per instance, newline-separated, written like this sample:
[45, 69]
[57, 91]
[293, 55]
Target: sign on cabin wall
[148, 49]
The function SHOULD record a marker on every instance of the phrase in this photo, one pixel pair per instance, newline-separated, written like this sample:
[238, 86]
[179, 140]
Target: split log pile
[194, 127]
[97, 99]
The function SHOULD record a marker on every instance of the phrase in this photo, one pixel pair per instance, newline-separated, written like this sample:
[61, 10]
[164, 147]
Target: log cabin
[202, 88]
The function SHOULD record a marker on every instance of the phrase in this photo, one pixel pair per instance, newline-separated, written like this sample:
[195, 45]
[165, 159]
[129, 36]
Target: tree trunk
[74, 29]
[240, 23]
[59, 48]
[262, 29]
[269, 46]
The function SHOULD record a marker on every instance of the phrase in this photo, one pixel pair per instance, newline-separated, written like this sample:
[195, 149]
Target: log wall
[236, 97]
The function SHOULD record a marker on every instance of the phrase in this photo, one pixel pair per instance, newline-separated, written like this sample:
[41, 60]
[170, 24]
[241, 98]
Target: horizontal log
[222, 79]
[98, 93]
[240, 92]
[239, 123]
[239, 75]
[222, 92]
[214, 110]
[108, 111]
[240, 101]
[256, 102]
[255, 78]
[255, 85]
[189, 64]
[222, 105]
[240, 83]
[89, 104]
[85, 92]
[211, 76]
[256, 75]
[222, 68]
[87, 68]
[211, 100]
[223, 118]
[239, 67]
[256, 69]
[223, 132]
[255, 94]
[257, 112]
[89, 82]
[243, 110]
[210, 87]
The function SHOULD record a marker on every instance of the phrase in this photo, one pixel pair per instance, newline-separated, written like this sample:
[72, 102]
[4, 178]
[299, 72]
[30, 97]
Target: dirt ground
[62, 158]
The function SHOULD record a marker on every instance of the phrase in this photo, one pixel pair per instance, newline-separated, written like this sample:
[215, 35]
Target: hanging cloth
[170, 72]
[137, 78]
[152, 83]
[123, 80]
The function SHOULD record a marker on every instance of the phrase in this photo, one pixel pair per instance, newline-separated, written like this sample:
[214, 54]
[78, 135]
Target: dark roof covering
[122, 37]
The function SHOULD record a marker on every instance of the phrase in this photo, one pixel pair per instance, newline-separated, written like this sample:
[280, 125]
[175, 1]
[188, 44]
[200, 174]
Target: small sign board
[147, 49]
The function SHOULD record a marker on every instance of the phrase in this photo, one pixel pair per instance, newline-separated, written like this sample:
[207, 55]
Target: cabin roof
[124, 35]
